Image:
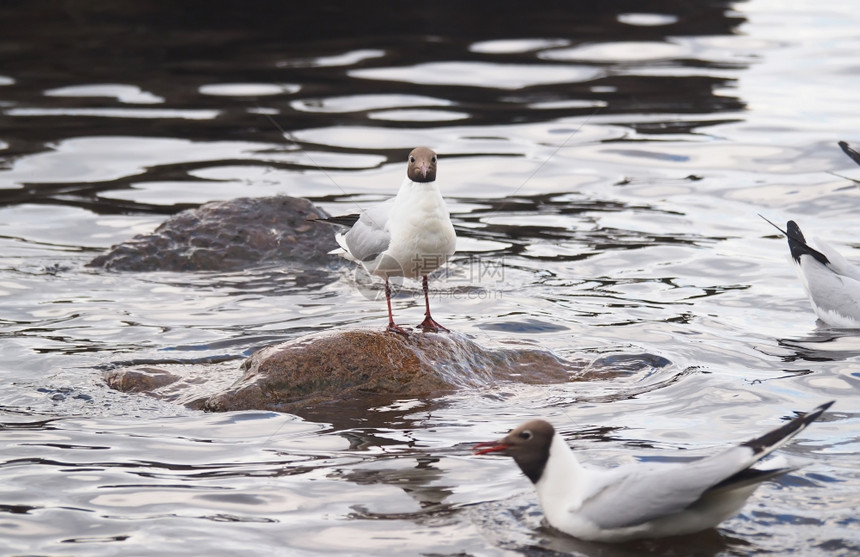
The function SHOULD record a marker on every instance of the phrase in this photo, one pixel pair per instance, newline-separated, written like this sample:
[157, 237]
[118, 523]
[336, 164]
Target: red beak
[424, 170]
[489, 447]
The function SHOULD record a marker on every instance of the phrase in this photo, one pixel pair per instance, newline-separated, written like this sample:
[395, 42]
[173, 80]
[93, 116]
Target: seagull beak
[424, 169]
[490, 447]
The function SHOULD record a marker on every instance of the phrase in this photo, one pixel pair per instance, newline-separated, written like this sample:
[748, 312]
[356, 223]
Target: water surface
[604, 168]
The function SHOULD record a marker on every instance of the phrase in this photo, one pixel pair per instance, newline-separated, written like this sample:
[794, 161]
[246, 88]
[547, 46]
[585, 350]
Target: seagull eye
[526, 435]
[433, 160]
[411, 159]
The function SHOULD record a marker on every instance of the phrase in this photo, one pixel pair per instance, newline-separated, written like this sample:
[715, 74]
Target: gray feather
[369, 237]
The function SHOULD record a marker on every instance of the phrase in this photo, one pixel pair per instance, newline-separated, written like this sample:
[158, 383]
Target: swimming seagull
[408, 236]
[643, 499]
[832, 283]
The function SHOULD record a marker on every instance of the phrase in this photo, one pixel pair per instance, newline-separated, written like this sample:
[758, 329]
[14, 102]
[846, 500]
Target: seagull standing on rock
[832, 283]
[642, 499]
[408, 236]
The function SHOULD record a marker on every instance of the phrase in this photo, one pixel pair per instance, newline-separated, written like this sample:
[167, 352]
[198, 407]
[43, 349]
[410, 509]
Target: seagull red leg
[429, 324]
[392, 327]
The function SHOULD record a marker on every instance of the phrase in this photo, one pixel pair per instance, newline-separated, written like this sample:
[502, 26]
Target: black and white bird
[640, 500]
[408, 236]
[855, 156]
[830, 281]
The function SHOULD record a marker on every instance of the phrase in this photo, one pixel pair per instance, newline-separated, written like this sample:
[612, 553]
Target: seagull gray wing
[632, 495]
[833, 285]
[369, 236]
[836, 297]
[836, 261]
[638, 494]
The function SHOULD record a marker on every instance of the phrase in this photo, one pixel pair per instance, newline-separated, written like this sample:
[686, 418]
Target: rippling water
[604, 167]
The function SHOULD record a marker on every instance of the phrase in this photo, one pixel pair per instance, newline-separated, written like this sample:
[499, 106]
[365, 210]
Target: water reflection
[825, 344]
[441, 71]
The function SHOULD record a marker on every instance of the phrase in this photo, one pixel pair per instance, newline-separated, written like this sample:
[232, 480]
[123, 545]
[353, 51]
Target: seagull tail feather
[764, 445]
[797, 242]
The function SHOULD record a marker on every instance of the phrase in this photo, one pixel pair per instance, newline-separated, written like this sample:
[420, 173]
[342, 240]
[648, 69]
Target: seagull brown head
[527, 444]
[422, 165]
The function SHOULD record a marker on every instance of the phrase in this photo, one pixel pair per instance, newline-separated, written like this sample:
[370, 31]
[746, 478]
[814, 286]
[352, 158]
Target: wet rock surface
[325, 368]
[140, 380]
[228, 236]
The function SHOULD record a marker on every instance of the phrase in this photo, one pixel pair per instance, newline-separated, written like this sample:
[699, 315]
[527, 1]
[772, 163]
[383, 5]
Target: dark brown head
[527, 444]
[422, 165]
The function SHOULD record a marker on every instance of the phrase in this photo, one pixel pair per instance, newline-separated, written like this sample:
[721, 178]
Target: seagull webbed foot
[429, 325]
[397, 329]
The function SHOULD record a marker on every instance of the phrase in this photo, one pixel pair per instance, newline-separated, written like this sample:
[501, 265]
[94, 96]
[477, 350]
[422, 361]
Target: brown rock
[228, 236]
[340, 365]
[189, 384]
[139, 380]
[336, 376]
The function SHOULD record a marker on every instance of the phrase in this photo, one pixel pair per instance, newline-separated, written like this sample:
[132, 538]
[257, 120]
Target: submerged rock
[334, 366]
[228, 236]
[342, 365]
[189, 384]
[139, 380]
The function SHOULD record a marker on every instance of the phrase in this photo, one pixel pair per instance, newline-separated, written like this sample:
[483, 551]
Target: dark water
[604, 164]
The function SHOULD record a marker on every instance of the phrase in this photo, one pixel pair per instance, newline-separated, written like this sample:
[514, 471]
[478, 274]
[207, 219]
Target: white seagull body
[830, 281]
[408, 236]
[640, 500]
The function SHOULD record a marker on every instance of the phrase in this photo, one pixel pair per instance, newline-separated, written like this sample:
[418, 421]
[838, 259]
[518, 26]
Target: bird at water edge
[642, 499]
[830, 281]
[408, 236]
